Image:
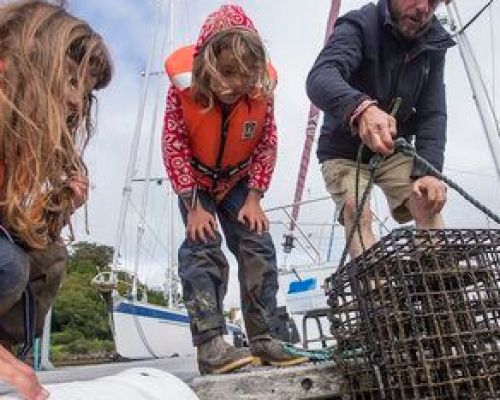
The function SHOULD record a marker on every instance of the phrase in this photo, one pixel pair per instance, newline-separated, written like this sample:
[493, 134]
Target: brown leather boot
[218, 357]
[272, 352]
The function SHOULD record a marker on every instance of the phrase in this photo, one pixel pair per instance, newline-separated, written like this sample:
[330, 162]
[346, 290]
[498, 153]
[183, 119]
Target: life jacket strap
[219, 173]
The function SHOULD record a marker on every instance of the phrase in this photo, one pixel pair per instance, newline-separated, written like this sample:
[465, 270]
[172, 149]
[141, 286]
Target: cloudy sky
[293, 32]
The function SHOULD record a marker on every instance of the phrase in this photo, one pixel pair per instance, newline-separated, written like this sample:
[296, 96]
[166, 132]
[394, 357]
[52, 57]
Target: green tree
[98, 255]
[79, 319]
[156, 297]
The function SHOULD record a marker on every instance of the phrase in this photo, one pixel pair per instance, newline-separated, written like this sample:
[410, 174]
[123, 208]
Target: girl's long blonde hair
[41, 141]
[247, 48]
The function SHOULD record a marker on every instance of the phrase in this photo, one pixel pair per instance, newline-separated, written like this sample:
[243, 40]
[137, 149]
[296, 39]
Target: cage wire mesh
[418, 316]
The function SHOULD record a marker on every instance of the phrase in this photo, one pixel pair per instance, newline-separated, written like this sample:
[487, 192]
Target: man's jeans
[204, 271]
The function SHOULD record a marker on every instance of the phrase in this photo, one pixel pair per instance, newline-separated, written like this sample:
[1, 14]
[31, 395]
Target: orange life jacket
[221, 146]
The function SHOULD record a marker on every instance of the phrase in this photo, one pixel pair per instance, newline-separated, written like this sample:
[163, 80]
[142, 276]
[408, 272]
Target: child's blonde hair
[40, 144]
[247, 48]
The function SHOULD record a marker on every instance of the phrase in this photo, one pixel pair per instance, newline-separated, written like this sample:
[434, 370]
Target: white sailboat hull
[144, 331]
[148, 331]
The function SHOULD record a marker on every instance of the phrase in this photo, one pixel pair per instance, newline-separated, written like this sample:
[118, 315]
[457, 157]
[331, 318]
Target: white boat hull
[148, 331]
[144, 331]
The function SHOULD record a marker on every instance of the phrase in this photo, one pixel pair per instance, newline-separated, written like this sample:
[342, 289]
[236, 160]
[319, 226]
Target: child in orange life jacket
[219, 146]
[50, 64]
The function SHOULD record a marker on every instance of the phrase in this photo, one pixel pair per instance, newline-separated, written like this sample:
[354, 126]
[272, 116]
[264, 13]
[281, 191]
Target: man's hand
[199, 224]
[79, 184]
[376, 130]
[432, 191]
[21, 377]
[251, 213]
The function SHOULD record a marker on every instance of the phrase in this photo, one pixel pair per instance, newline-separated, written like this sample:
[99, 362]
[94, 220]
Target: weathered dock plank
[311, 381]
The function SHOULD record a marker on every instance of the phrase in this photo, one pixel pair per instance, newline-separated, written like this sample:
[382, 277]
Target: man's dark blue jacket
[366, 58]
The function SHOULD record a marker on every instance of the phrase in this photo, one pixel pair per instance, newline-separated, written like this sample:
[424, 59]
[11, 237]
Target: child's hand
[199, 224]
[251, 214]
[79, 184]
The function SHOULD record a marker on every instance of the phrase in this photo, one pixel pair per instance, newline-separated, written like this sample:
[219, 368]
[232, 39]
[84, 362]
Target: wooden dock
[310, 381]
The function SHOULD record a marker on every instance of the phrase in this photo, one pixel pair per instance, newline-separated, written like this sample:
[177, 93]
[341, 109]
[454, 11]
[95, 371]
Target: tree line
[80, 322]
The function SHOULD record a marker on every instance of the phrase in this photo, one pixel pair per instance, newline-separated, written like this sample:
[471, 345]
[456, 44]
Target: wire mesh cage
[418, 316]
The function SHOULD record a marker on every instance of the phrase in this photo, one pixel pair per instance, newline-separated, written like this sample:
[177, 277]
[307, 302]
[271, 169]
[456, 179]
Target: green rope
[313, 355]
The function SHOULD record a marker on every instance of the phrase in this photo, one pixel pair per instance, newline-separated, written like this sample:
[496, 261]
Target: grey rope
[372, 166]
[356, 194]
[404, 147]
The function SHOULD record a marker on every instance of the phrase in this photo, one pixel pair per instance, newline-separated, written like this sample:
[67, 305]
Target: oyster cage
[418, 316]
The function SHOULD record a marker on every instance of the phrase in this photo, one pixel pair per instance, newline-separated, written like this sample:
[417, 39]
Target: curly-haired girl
[219, 146]
[50, 64]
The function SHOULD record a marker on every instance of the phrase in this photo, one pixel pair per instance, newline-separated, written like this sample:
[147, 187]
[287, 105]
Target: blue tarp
[302, 286]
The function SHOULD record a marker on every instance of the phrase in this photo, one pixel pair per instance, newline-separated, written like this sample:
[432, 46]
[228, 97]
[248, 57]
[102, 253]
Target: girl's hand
[79, 184]
[251, 214]
[199, 224]
[21, 377]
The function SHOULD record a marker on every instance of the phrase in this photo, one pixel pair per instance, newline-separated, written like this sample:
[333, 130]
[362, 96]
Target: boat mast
[171, 195]
[131, 168]
[141, 227]
[480, 94]
[312, 123]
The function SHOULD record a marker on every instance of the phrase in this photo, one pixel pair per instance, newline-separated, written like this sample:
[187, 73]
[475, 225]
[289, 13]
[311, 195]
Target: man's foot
[218, 357]
[272, 352]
